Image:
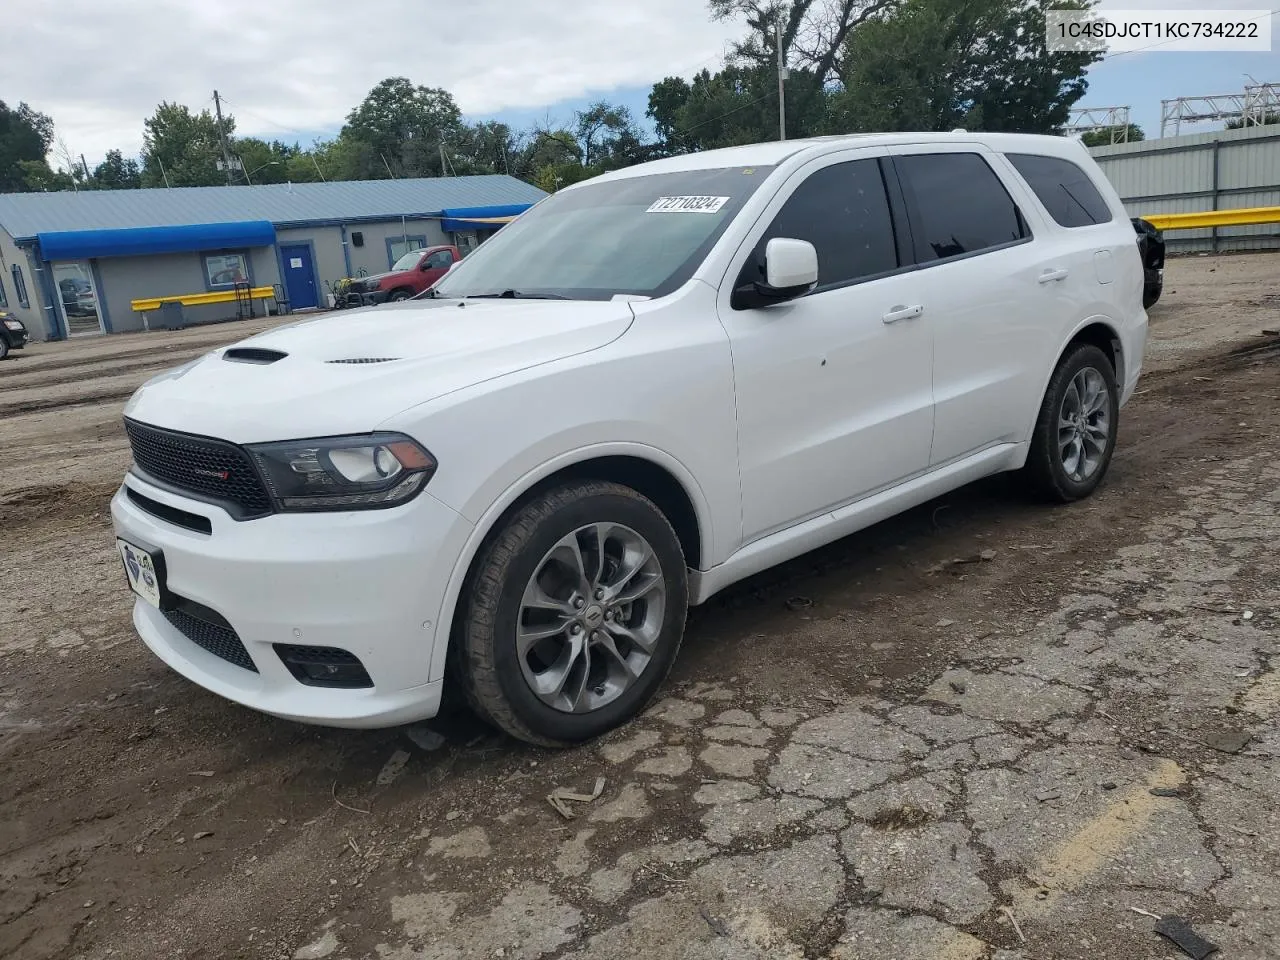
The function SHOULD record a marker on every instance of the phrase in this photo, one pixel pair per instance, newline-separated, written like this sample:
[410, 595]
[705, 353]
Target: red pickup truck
[413, 273]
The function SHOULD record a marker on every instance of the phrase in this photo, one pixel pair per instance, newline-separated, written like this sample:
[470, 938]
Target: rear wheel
[573, 614]
[1075, 434]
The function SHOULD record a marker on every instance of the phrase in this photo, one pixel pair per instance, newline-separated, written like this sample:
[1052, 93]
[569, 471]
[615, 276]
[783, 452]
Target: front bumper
[370, 582]
[373, 298]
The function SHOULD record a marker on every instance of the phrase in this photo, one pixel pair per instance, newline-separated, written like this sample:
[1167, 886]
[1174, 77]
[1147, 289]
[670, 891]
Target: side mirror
[790, 271]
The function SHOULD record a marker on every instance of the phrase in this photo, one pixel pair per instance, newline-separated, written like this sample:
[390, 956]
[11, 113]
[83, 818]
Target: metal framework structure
[1113, 120]
[1254, 106]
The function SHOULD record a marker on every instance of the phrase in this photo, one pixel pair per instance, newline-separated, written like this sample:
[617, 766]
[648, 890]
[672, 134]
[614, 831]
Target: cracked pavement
[934, 756]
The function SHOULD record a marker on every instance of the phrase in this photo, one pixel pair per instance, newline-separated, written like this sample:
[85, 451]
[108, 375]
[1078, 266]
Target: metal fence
[1218, 170]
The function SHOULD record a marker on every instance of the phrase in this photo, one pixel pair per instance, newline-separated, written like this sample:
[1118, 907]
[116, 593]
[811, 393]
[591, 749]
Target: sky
[291, 69]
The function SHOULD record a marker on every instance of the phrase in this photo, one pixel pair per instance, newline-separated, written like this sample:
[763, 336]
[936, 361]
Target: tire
[398, 295]
[535, 548]
[1053, 470]
[4, 348]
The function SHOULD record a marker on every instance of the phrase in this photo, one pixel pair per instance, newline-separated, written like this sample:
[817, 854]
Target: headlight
[370, 286]
[362, 472]
[15, 325]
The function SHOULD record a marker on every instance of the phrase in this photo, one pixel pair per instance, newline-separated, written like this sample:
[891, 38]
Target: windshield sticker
[687, 205]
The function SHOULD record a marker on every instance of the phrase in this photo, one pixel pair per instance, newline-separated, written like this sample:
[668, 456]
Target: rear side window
[960, 205]
[1065, 190]
[844, 212]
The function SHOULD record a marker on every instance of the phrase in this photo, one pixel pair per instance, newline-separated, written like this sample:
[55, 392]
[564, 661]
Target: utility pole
[782, 77]
[222, 135]
[317, 163]
[86, 168]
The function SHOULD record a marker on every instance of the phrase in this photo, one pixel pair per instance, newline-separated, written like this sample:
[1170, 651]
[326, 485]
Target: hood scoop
[253, 355]
[364, 360]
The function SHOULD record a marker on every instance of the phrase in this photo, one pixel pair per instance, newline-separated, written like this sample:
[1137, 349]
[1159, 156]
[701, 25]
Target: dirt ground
[890, 749]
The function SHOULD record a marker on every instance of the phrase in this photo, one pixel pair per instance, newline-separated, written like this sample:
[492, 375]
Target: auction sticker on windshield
[687, 205]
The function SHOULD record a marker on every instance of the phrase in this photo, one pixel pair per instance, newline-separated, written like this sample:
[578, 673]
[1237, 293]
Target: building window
[224, 270]
[4, 297]
[20, 286]
[397, 247]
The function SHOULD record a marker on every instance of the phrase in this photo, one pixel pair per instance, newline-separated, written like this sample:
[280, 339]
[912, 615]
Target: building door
[77, 298]
[299, 275]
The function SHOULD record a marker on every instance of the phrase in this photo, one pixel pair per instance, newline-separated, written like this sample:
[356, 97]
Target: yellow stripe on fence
[1242, 217]
[199, 299]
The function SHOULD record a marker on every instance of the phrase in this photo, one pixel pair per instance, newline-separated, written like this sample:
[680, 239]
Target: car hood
[378, 277]
[348, 372]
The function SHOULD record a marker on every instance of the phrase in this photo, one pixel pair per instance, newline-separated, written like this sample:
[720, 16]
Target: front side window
[639, 235]
[1065, 190]
[439, 259]
[961, 207]
[843, 211]
[20, 286]
[222, 270]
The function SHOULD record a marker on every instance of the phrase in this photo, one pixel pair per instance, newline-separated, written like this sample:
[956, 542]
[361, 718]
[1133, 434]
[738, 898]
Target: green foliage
[25, 138]
[182, 146]
[1267, 118]
[1103, 138]
[117, 173]
[942, 64]
[400, 128]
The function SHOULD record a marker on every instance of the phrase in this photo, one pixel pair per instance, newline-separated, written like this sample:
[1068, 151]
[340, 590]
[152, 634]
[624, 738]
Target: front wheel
[398, 296]
[1075, 434]
[4, 348]
[573, 614]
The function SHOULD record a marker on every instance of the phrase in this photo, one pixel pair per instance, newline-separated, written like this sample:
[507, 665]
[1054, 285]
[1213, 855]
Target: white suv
[649, 386]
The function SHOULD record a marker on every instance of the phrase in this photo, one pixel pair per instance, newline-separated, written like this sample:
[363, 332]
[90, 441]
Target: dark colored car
[13, 334]
[1151, 246]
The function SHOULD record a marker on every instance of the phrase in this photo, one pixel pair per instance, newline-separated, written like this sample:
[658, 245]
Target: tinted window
[441, 258]
[1065, 190]
[843, 211]
[960, 205]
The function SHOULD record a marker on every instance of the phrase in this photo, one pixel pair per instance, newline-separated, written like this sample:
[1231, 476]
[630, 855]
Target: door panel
[982, 255]
[834, 400]
[299, 276]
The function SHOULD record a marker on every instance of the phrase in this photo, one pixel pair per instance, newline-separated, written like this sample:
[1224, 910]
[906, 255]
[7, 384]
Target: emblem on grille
[215, 474]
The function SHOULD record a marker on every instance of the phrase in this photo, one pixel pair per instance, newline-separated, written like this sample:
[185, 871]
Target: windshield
[408, 261]
[642, 236]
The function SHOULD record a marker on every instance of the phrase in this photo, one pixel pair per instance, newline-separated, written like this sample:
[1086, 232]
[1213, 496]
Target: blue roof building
[72, 264]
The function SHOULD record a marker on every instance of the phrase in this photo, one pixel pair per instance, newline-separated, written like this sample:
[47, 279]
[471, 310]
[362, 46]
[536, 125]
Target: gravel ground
[890, 748]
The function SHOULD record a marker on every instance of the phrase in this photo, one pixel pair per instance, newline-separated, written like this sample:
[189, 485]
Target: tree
[1268, 118]
[813, 31]
[1103, 138]
[265, 162]
[25, 138]
[980, 65]
[117, 173]
[402, 126]
[181, 148]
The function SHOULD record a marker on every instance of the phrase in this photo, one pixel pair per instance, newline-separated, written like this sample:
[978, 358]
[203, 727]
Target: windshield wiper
[514, 295]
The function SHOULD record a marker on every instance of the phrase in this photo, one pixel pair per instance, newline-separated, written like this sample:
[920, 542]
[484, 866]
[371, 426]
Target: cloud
[99, 68]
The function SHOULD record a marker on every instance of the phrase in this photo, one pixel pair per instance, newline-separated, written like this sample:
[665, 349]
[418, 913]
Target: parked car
[1151, 249]
[77, 297]
[412, 274]
[653, 384]
[13, 334]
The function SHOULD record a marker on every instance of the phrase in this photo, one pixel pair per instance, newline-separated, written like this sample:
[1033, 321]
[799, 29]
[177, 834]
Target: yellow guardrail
[200, 299]
[1241, 217]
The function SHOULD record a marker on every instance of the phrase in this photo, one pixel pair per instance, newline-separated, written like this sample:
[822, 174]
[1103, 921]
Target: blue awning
[138, 241]
[471, 218]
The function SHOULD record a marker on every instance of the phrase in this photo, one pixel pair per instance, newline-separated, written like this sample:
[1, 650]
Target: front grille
[206, 468]
[208, 630]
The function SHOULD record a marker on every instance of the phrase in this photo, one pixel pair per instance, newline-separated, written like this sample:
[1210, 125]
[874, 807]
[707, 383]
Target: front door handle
[903, 313]
[1051, 275]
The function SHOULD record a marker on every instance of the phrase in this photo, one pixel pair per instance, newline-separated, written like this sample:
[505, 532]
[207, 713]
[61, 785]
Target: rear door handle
[1051, 275]
[903, 313]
